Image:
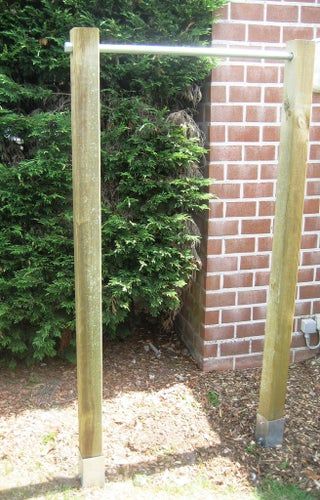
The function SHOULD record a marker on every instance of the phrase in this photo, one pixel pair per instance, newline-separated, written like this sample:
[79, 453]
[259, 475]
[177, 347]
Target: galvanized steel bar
[110, 48]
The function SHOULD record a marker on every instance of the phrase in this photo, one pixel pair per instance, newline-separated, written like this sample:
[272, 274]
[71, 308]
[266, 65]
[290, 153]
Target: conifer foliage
[148, 196]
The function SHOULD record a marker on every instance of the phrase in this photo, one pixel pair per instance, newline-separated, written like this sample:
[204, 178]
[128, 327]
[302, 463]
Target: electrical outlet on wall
[309, 325]
[317, 318]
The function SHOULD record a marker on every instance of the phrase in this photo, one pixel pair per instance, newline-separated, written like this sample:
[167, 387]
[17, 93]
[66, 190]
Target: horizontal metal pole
[110, 48]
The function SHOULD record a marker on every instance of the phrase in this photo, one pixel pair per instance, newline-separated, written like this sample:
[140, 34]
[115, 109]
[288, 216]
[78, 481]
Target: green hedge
[148, 194]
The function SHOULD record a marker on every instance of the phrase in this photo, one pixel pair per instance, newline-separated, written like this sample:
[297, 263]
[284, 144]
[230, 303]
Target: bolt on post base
[92, 472]
[269, 433]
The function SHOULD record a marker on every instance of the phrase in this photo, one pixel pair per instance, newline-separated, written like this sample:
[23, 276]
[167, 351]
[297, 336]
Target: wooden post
[85, 118]
[298, 82]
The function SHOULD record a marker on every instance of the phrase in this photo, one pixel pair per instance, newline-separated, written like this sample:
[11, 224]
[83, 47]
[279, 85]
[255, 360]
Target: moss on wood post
[85, 116]
[298, 81]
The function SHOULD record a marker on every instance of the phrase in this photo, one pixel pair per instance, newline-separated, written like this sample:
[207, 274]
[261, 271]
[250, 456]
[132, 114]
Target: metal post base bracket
[92, 472]
[269, 433]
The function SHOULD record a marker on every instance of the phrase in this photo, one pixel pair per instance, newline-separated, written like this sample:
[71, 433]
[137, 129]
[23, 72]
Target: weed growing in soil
[213, 398]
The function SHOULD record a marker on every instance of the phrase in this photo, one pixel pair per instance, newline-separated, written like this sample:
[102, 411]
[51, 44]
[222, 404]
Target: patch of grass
[274, 490]
[284, 465]
[213, 398]
[49, 438]
[251, 448]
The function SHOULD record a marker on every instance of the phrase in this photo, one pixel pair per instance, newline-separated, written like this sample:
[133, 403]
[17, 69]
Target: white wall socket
[317, 318]
[309, 325]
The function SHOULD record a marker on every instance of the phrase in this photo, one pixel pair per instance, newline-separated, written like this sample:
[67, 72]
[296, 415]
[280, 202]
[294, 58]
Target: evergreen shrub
[148, 194]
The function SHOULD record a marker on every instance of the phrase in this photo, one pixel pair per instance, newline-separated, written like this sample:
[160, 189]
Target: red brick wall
[224, 323]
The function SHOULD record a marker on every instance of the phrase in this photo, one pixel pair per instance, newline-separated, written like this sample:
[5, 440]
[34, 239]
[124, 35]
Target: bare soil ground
[169, 430]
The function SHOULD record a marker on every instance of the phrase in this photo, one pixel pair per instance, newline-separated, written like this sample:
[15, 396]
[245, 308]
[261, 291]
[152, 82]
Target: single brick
[250, 329]
[251, 297]
[211, 317]
[311, 258]
[224, 263]
[215, 209]
[264, 244]
[220, 299]
[259, 312]
[309, 291]
[271, 134]
[214, 247]
[227, 191]
[223, 227]
[310, 14]
[232, 348]
[245, 94]
[314, 134]
[257, 345]
[226, 153]
[241, 209]
[259, 153]
[311, 206]
[312, 224]
[305, 275]
[216, 171]
[297, 340]
[254, 262]
[255, 226]
[251, 361]
[309, 241]
[237, 280]
[314, 170]
[266, 208]
[242, 172]
[302, 308]
[273, 95]
[269, 171]
[218, 93]
[217, 133]
[313, 187]
[229, 31]
[261, 113]
[242, 12]
[262, 278]
[260, 74]
[292, 33]
[258, 190]
[227, 113]
[243, 134]
[228, 73]
[212, 282]
[264, 33]
[240, 245]
[218, 332]
[236, 315]
[209, 350]
[315, 114]
[316, 307]
[282, 13]
[314, 151]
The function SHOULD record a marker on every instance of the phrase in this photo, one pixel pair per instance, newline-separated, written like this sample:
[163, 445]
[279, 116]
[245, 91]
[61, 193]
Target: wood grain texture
[85, 116]
[298, 81]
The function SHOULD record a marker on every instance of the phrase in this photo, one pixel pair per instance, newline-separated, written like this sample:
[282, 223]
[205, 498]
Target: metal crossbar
[110, 48]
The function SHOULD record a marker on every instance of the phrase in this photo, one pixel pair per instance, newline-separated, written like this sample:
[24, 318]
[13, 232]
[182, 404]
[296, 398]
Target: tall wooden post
[85, 117]
[298, 82]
